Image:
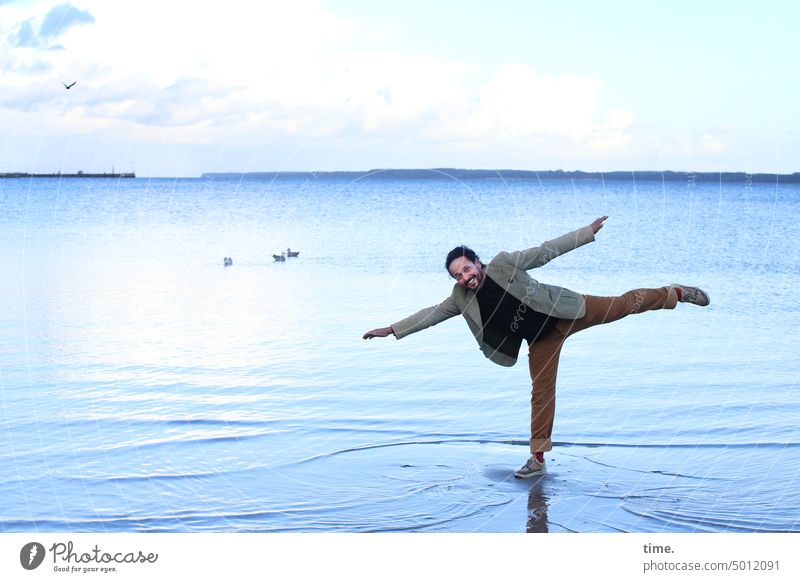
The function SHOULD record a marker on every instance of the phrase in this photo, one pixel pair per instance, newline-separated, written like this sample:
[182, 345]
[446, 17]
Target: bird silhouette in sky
[68, 86]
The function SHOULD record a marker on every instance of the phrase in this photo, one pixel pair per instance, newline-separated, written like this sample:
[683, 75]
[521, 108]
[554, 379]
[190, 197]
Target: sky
[177, 89]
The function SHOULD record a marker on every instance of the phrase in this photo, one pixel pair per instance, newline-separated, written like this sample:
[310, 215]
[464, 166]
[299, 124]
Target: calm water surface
[145, 387]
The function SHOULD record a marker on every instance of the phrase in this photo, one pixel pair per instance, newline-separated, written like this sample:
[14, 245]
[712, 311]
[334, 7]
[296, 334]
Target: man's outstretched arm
[378, 332]
[549, 250]
[422, 319]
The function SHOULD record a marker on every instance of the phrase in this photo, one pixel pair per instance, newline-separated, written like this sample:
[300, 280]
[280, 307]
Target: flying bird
[70, 86]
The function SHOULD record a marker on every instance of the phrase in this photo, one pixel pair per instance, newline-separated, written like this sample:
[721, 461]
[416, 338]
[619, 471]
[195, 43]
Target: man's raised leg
[607, 309]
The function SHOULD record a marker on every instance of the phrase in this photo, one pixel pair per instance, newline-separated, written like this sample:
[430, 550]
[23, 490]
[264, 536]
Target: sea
[147, 387]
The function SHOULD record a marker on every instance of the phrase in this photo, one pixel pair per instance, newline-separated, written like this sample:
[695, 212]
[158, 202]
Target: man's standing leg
[543, 359]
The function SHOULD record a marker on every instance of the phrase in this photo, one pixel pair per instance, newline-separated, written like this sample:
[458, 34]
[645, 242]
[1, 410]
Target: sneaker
[692, 295]
[530, 469]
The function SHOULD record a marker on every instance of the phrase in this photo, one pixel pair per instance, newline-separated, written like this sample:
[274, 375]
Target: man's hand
[598, 224]
[379, 332]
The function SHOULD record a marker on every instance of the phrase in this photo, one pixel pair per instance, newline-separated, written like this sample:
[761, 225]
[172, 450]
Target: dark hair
[460, 251]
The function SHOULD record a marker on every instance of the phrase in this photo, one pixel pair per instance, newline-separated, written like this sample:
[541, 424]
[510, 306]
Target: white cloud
[237, 41]
[41, 31]
[613, 134]
[522, 106]
[517, 101]
[711, 144]
[244, 73]
[278, 62]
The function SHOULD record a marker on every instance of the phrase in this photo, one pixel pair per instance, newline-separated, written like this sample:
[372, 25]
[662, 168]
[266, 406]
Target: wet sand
[470, 487]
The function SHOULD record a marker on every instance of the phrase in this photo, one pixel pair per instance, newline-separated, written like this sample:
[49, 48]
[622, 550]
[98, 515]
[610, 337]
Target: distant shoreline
[460, 174]
[60, 175]
[451, 173]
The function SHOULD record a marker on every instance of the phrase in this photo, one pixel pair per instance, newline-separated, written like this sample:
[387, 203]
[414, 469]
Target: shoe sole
[706, 299]
[529, 475]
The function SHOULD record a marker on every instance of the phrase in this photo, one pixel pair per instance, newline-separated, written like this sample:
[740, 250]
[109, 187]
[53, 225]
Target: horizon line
[446, 172]
[443, 173]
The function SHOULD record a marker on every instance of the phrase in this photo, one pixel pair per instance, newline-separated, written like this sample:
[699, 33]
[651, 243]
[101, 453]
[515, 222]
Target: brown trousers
[543, 355]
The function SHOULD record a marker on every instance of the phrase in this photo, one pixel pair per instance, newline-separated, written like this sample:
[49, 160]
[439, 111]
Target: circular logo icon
[31, 555]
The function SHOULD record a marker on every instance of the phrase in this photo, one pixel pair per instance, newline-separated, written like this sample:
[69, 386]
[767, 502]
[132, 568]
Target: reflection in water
[537, 508]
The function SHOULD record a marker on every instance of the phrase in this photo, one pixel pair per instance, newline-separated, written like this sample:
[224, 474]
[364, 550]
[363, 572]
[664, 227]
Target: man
[503, 305]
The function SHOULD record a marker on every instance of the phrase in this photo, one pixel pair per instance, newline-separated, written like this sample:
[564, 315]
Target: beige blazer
[509, 271]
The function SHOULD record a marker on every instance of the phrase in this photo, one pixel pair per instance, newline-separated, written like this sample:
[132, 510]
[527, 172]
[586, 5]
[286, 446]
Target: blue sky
[172, 89]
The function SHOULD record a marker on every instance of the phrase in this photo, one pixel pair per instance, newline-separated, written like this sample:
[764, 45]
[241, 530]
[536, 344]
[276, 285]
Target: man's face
[466, 273]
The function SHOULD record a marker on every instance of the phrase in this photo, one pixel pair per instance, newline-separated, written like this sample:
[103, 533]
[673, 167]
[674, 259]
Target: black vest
[507, 321]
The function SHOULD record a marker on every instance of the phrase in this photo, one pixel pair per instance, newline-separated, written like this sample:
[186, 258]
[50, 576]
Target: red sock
[539, 457]
[678, 293]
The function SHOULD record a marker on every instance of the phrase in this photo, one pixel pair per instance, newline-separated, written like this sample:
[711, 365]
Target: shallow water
[145, 387]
